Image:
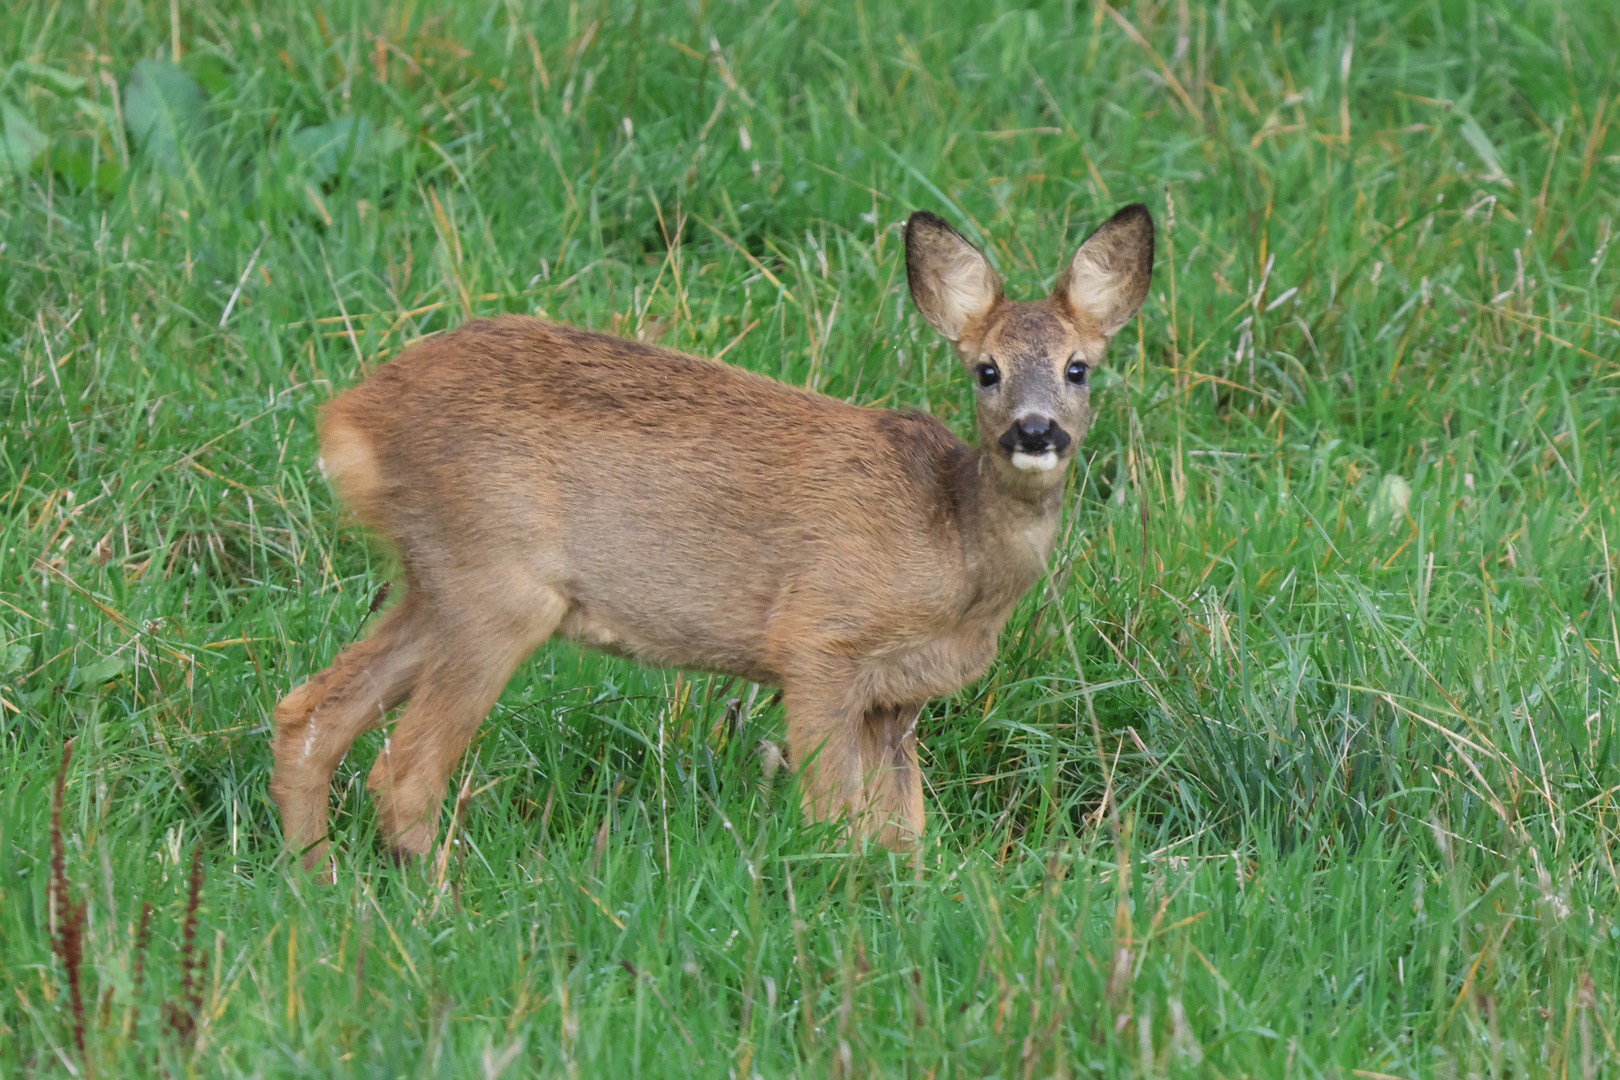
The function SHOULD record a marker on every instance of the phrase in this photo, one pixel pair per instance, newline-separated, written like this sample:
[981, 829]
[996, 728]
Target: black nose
[1035, 435]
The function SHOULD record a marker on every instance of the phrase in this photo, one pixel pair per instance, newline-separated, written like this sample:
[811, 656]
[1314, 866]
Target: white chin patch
[1042, 462]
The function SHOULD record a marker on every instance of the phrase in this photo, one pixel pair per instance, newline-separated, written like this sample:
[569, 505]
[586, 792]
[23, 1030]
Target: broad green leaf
[21, 141]
[165, 110]
[212, 73]
[326, 148]
[1394, 493]
[76, 168]
[93, 675]
[14, 656]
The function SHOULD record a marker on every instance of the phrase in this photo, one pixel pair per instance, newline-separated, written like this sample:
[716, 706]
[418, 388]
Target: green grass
[1336, 584]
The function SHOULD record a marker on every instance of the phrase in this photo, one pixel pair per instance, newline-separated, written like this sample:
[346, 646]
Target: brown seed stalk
[68, 942]
[183, 1012]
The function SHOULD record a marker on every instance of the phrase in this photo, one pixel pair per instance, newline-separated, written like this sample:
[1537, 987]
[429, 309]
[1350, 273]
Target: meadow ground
[1302, 763]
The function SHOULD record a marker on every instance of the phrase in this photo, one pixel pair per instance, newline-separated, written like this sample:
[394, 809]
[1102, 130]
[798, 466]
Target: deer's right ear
[952, 283]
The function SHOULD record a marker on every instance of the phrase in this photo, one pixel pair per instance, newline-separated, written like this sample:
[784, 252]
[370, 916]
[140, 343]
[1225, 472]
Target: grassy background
[1336, 585]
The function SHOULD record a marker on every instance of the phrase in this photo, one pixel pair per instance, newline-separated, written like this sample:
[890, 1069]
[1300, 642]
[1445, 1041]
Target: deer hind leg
[890, 805]
[453, 694]
[317, 722]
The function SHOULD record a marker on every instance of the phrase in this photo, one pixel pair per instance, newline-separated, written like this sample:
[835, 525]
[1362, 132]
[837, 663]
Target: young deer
[536, 479]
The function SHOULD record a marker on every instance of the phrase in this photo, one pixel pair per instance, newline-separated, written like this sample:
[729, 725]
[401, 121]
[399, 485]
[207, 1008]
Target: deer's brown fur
[536, 479]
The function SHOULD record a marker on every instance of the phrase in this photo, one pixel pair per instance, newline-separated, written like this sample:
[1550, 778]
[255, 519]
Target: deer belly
[601, 630]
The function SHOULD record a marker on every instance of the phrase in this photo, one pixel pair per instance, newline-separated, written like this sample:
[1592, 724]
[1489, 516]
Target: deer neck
[1008, 529]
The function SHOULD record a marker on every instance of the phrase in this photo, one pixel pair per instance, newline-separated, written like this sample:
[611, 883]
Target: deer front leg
[824, 745]
[891, 799]
[858, 760]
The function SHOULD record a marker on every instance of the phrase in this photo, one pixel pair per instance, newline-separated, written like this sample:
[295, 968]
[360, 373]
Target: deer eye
[988, 374]
[1077, 372]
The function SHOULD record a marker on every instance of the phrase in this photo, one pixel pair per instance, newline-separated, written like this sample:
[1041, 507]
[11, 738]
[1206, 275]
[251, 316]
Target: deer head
[1030, 361]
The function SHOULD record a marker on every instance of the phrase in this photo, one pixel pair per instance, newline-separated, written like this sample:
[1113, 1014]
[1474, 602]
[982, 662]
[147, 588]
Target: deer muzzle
[1035, 442]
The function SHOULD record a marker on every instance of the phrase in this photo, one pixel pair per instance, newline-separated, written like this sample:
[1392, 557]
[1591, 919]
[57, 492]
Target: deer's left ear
[1108, 278]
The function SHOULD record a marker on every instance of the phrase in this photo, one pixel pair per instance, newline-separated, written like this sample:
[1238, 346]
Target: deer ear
[1108, 278]
[952, 283]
